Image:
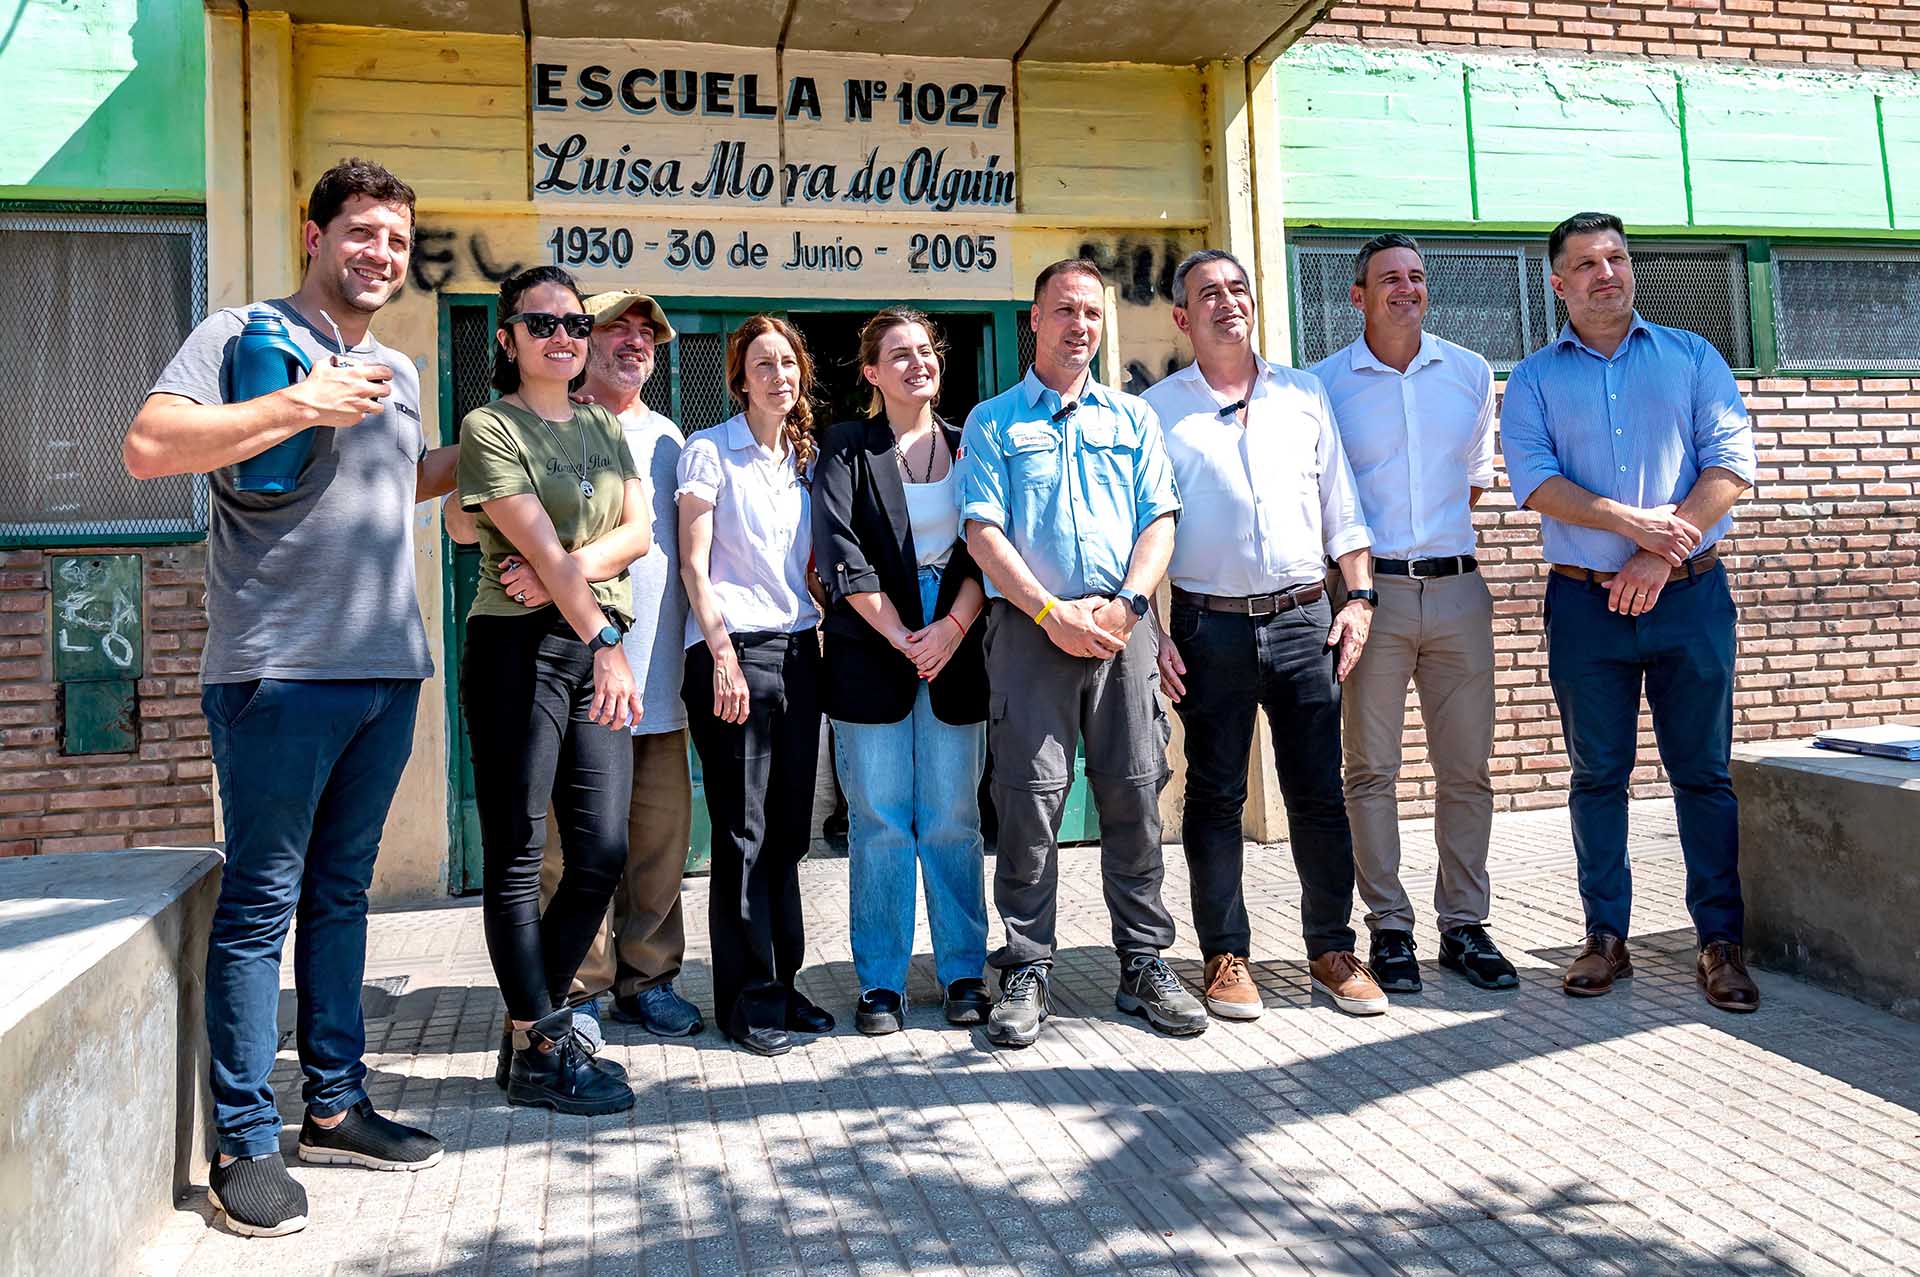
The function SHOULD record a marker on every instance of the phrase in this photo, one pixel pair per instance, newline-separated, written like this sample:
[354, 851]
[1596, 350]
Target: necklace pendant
[586, 488]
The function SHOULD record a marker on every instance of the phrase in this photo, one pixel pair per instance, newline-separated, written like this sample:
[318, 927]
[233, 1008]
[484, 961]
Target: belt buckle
[1413, 569]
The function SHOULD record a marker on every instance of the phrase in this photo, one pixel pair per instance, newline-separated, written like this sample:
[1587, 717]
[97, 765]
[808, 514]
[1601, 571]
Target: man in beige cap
[637, 955]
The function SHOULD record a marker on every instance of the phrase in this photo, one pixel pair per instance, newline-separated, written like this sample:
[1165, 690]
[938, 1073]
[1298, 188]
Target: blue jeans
[913, 798]
[1683, 650]
[307, 772]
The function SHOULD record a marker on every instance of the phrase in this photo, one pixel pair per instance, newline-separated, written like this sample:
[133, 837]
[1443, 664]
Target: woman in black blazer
[905, 683]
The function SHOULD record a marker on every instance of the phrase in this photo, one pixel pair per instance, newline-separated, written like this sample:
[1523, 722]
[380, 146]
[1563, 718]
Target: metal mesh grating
[657, 394]
[470, 350]
[1484, 294]
[1847, 309]
[1023, 343]
[1699, 287]
[701, 371]
[96, 307]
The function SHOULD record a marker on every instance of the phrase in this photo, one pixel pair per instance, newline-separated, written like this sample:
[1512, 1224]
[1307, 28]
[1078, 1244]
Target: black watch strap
[1370, 597]
[609, 636]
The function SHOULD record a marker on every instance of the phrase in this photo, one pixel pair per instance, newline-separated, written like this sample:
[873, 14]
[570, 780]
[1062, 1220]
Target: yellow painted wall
[1114, 166]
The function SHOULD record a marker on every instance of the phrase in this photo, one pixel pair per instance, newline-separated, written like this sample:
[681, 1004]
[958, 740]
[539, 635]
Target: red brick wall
[159, 794]
[1824, 560]
[1816, 32]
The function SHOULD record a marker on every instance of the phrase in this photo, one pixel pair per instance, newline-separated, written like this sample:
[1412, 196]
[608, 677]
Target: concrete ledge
[1830, 864]
[104, 1115]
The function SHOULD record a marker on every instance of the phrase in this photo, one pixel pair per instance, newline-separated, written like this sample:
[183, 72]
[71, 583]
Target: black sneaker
[1473, 954]
[1022, 1008]
[554, 1072]
[879, 1012]
[1150, 989]
[257, 1196]
[1393, 963]
[968, 1002]
[364, 1138]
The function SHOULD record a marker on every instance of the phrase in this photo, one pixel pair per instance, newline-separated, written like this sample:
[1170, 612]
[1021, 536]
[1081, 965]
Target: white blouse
[762, 529]
[933, 512]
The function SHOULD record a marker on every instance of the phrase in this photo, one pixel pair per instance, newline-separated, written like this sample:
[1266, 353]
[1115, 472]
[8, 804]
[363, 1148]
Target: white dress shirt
[762, 529]
[1417, 441]
[1264, 502]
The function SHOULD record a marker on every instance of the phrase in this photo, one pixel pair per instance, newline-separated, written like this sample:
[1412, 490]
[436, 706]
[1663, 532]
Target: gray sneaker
[1022, 1006]
[1149, 988]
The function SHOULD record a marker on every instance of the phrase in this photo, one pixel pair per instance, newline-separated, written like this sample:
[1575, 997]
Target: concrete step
[104, 1114]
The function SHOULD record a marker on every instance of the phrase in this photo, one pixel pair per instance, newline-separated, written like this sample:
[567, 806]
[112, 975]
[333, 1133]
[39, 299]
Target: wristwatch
[609, 636]
[1370, 597]
[1136, 602]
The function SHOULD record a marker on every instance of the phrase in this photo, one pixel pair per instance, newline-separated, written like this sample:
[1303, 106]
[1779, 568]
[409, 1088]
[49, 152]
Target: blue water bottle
[265, 359]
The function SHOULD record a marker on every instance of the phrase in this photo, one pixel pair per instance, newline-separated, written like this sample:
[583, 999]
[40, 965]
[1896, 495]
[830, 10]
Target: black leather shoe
[766, 1041]
[1392, 962]
[804, 1017]
[879, 1012]
[968, 1002]
[1474, 955]
[553, 1072]
[503, 1067]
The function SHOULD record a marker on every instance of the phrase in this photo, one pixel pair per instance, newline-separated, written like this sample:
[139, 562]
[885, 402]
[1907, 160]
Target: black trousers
[1281, 664]
[759, 779]
[526, 686]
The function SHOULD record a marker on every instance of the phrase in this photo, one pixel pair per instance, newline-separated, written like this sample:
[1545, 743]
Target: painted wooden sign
[678, 168]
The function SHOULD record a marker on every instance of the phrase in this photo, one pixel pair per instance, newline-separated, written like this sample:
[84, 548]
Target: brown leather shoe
[1346, 980]
[1602, 960]
[1721, 970]
[1231, 993]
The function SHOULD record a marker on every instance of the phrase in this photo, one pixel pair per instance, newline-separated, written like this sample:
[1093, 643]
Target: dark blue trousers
[307, 773]
[1682, 651]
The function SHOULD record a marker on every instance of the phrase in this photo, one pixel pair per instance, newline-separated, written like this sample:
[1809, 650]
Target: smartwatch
[1370, 597]
[609, 636]
[1136, 602]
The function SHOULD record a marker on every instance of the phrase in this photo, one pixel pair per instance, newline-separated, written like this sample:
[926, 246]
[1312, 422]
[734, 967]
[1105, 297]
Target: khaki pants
[642, 940]
[1438, 633]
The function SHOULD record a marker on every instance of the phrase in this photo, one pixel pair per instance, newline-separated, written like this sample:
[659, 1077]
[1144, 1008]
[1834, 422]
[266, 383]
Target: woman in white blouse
[752, 680]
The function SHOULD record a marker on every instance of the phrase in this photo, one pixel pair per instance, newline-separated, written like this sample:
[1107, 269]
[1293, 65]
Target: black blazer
[863, 543]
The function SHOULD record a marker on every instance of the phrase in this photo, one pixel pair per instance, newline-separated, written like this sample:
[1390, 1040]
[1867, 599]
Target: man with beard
[314, 657]
[637, 955]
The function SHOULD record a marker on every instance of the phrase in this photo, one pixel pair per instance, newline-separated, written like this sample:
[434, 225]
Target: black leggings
[526, 684]
[759, 780]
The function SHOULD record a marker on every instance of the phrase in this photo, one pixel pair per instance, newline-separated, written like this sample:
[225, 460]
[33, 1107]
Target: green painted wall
[102, 99]
[1393, 136]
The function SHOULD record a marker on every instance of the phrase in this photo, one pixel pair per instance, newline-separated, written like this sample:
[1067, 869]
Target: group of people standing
[939, 594]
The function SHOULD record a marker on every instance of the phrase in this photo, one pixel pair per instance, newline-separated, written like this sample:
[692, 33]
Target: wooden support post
[275, 226]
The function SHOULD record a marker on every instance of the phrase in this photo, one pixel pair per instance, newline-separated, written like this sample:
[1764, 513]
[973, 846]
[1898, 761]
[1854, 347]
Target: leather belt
[1252, 604]
[1698, 564]
[1426, 569]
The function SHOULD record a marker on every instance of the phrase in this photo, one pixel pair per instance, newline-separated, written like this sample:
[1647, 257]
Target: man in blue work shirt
[1632, 443]
[1069, 506]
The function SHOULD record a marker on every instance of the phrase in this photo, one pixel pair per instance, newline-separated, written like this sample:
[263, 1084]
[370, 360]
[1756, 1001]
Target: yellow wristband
[1041, 616]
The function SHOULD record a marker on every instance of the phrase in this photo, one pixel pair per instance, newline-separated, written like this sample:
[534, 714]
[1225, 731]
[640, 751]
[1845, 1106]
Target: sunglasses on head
[540, 324]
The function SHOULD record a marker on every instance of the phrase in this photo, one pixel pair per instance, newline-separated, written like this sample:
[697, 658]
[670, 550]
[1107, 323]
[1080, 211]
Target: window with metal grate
[1847, 309]
[1493, 296]
[471, 350]
[97, 305]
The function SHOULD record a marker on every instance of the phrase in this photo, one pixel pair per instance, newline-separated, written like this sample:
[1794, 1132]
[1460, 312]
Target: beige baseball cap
[607, 307]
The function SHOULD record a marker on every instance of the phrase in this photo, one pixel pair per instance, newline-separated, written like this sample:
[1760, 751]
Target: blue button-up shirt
[1637, 428]
[1072, 491]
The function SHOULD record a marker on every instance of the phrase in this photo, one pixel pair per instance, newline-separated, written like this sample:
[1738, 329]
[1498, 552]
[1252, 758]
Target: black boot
[552, 1071]
[503, 1067]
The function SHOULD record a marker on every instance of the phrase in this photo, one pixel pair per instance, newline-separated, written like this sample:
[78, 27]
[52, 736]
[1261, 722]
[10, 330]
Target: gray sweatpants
[1043, 703]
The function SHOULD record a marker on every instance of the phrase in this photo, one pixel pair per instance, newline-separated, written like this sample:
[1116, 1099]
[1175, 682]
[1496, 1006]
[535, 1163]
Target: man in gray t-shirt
[314, 659]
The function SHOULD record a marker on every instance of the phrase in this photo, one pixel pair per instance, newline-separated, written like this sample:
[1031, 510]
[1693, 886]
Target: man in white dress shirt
[1268, 496]
[1416, 415]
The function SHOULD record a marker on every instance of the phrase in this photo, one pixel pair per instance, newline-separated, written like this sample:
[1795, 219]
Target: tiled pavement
[1464, 1132]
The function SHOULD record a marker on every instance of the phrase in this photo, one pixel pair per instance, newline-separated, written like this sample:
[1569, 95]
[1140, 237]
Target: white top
[656, 645]
[933, 512]
[1265, 502]
[1416, 440]
[762, 529]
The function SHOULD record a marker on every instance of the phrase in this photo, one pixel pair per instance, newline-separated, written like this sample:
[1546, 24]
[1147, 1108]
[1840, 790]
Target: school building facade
[824, 157]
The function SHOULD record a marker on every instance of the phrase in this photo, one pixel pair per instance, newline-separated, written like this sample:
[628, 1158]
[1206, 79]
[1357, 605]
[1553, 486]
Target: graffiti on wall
[442, 256]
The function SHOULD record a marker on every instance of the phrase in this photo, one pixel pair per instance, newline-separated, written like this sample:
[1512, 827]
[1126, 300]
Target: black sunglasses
[540, 324]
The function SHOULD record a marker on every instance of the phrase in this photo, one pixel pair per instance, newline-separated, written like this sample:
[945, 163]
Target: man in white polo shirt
[1416, 415]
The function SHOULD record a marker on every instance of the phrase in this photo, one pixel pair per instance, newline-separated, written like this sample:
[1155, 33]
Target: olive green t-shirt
[506, 450]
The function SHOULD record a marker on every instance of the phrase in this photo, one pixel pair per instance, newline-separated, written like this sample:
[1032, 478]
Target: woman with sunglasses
[751, 688]
[906, 684]
[546, 690]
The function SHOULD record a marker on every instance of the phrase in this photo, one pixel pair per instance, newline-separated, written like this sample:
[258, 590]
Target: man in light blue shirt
[1632, 443]
[1068, 503]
